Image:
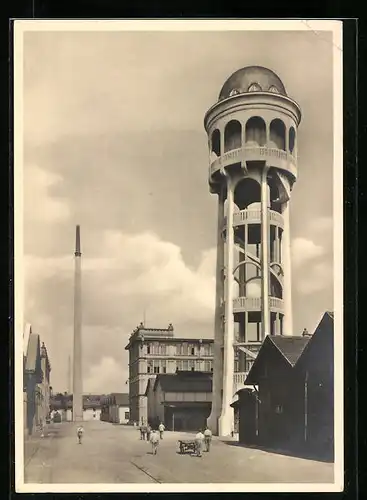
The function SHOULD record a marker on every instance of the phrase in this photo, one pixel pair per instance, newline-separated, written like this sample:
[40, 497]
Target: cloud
[106, 376]
[41, 205]
[305, 250]
[318, 277]
[141, 275]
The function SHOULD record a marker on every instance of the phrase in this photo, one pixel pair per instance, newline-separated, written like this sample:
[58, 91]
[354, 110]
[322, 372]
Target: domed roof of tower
[252, 79]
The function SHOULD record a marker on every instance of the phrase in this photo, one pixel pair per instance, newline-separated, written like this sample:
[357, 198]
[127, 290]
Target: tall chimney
[77, 358]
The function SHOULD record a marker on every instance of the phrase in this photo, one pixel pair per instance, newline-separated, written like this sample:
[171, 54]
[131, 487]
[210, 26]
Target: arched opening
[255, 132]
[292, 139]
[215, 142]
[277, 134]
[254, 87]
[247, 192]
[275, 287]
[232, 135]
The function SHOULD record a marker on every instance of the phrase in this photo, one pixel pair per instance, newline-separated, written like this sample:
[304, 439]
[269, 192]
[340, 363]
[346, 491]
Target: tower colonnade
[252, 137]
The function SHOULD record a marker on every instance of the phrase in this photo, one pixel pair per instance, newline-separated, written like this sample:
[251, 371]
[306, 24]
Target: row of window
[160, 366]
[255, 131]
[184, 349]
[254, 87]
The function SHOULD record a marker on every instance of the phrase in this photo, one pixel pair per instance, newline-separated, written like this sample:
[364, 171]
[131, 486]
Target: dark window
[192, 368]
[192, 350]
[156, 369]
[148, 369]
[148, 349]
[164, 369]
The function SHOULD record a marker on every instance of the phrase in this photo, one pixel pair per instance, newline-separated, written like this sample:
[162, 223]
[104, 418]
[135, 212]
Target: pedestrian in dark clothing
[149, 430]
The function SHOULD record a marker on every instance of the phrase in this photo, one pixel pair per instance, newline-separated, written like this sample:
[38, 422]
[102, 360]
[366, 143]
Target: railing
[276, 303]
[254, 216]
[241, 304]
[253, 154]
[239, 378]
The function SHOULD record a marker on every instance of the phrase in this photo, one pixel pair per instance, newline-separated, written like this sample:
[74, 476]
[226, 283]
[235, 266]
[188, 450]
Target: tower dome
[252, 79]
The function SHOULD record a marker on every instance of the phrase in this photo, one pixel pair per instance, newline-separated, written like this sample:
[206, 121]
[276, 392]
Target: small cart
[187, 445]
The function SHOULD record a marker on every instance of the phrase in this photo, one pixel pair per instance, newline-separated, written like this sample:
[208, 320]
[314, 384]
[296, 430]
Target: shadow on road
[288, 453]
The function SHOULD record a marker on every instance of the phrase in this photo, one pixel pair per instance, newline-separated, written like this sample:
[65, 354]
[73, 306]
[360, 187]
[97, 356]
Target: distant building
[36, 382]
[154, 351]
[182, 401]
[64, 404]
[115, 408]
[291, 405]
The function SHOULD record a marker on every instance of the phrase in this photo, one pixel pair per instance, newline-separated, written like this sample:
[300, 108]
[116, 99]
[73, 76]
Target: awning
[186, 404]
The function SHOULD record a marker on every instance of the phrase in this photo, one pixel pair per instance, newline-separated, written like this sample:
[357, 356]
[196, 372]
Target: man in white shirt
[199, 441]
[80, 432]
[207, 438]
[154, 441]
[161, 428]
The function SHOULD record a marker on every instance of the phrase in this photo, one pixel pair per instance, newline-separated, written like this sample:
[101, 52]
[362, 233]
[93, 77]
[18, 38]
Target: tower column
[287, 279]
[77, 363]
[226, 417]
[218, 325]
[265, 264]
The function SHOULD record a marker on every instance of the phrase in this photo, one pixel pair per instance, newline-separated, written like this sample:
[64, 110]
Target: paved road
[115, 454]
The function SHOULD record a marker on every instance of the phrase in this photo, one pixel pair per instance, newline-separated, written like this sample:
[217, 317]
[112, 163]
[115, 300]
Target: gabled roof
[33, 354]
[290, 347]
[185, 382]
[323, 334]
[120, 399]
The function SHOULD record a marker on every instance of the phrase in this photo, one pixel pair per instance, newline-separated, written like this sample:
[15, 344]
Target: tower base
[226, 423]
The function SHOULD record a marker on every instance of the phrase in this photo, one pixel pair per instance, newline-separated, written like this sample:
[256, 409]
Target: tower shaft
[77, 358]
[252, 132]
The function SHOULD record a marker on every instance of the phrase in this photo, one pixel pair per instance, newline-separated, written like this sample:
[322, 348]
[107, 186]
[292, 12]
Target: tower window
[274, 89]
[254, 87]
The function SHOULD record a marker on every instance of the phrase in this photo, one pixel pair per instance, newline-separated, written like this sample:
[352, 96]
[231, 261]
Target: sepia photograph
[178, 226]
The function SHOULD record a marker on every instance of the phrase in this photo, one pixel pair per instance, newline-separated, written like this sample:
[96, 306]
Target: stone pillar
[226, 417]
[265, 264]
[287, 279]
[218, 326]
[77, 369]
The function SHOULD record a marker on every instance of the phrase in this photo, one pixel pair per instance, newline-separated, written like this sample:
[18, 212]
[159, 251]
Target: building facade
[154, 351]
[115, 408]
[36, 383]
[293, 405]
[252, 135]
[182, 401]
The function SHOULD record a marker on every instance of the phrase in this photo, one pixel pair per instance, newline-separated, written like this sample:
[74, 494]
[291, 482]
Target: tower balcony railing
[249, 304]
[253, 216]
[273, 156]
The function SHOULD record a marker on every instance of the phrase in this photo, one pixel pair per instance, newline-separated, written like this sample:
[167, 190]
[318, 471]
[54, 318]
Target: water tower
[252, 132]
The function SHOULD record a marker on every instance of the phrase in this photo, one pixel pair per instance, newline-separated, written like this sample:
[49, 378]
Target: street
[115, 454]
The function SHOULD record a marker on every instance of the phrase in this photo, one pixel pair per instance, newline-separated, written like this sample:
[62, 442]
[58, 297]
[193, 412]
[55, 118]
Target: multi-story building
[153, 351]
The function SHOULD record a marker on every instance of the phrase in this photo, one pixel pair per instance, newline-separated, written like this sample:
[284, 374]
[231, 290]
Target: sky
[114, 141]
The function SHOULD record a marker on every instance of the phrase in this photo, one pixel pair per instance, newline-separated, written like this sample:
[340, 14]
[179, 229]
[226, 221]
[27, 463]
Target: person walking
[149, 430]
[161, 430]
[154, 440]
[199, 441]
[143, 431]
[80, 432]
[207, 439]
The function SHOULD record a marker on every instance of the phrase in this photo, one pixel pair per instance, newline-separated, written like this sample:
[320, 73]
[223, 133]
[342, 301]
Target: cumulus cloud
[141, 275]
[305, 250]
[105, 377]
[135, 178]
[44, 207]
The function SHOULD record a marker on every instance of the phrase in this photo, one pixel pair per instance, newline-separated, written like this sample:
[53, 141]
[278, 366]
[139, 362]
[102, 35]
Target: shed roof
[120, 398]
[185, 382]
[290, 347]
[33, 353]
